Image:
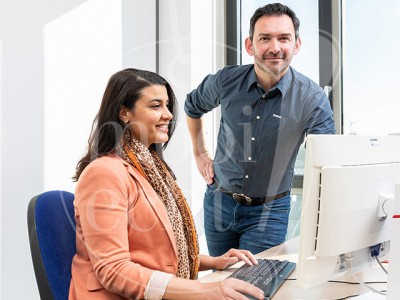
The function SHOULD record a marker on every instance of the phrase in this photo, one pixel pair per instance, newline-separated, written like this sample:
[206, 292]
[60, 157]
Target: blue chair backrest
[51, 225]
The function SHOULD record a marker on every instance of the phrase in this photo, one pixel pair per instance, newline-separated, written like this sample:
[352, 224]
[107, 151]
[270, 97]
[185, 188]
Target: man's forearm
[195, 127]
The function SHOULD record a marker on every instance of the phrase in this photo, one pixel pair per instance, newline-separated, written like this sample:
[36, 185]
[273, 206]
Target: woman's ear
[124, 114]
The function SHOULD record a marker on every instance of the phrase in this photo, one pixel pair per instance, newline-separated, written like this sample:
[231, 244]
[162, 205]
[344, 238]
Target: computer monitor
[348, 189]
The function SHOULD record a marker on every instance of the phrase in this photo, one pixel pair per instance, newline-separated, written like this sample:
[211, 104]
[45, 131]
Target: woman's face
[149, 118]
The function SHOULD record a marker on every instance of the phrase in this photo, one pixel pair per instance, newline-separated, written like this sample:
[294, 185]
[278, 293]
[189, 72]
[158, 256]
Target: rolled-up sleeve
[205, 97]
[320, 117]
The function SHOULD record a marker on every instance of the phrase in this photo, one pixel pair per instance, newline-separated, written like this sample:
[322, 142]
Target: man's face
[273, 44]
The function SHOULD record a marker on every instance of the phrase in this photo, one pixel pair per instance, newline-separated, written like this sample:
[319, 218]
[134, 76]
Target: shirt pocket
[280, 128]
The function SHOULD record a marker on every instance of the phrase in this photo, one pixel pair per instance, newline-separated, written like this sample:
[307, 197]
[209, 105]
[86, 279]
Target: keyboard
[268, 275]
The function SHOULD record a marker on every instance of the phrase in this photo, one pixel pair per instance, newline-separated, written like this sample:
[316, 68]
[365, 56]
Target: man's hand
[205, 165]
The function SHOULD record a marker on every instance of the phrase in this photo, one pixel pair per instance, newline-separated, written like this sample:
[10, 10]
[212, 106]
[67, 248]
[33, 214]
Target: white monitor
[349, 188]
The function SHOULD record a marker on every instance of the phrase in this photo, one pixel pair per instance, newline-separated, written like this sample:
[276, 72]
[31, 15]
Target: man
[267, 108]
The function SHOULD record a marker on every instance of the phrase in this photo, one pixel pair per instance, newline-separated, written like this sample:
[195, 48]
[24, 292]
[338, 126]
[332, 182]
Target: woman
[135, 233]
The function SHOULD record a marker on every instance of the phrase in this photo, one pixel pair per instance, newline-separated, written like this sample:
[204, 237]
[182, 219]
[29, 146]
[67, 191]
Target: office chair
[51, 226]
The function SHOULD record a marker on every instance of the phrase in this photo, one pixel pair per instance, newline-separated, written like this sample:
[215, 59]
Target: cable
[342, 282]
[375, 250]
[366, 285]
[348, 257]
[347, 297]
[384, 211]
[351, 282]
[379, 262]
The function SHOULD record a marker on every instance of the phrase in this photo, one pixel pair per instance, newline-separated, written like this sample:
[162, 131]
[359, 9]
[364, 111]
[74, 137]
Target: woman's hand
[233, 256]
[231, 288]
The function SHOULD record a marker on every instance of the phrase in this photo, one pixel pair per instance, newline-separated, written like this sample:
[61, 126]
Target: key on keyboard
[268, 275]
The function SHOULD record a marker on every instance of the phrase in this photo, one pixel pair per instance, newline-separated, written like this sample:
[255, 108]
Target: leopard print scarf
[150, 165]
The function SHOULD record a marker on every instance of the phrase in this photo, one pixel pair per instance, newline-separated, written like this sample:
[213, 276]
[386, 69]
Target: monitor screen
[348, 191]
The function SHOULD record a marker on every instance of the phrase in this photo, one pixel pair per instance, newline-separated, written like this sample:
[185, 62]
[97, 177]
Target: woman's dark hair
[274, 9]
[123, 90]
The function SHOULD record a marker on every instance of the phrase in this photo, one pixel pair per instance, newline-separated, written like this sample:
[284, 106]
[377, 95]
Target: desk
[329, 290]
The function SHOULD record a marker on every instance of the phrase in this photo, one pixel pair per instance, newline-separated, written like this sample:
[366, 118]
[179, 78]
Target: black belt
[246, 200]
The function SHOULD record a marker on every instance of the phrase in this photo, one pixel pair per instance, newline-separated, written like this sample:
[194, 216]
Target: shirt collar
[251, 79]
[282, 85]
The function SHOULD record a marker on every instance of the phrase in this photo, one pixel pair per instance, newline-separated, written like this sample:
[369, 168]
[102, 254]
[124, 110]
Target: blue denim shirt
[260, 131]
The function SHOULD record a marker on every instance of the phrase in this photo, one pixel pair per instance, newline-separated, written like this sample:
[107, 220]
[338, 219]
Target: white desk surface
[326, 291]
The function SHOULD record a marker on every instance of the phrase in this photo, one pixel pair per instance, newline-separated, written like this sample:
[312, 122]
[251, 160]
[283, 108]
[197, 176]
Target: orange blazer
[123, 233]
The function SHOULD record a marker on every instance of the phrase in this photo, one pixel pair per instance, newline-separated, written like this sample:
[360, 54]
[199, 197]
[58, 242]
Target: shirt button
[249, 158]
[253, 138]
[263, 96]
[247, 176]
[258, 117]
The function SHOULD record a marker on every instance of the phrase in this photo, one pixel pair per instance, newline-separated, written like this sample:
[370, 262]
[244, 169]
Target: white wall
[139, 34]
[55, 60]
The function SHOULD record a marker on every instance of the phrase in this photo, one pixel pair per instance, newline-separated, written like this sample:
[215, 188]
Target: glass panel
[370, 44]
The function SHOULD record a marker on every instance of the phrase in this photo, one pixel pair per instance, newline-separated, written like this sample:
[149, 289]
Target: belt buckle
[240, 197]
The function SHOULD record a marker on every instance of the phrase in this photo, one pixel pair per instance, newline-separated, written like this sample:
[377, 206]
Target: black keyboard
[268, 275]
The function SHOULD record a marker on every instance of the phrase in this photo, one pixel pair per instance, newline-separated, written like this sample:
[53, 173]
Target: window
[370, 66]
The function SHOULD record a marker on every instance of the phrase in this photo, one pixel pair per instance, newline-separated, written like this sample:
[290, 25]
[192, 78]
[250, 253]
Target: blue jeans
[229, 224]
